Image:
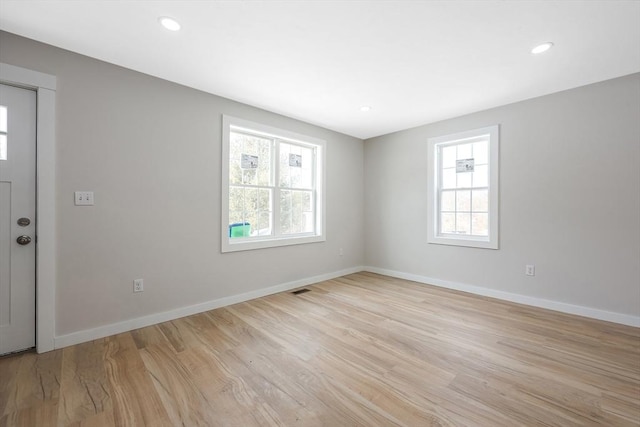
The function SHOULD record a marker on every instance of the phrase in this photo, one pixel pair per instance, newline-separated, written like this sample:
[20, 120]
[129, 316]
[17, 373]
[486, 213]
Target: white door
[17, 218]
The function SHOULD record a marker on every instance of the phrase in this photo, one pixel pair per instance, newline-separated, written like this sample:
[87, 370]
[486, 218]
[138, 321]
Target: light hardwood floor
[361, 350]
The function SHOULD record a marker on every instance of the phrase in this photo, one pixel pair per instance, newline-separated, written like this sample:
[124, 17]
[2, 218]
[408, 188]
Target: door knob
[23, 240]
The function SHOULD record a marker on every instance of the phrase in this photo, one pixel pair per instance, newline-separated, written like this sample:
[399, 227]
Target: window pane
[252, 206]
[480, 201]
[463, 223]
[296, 166]
[235, 173]
[250, 199]
[3, 147]
[263, 227]
[464, 179]
[449, 157]
[448, 223]
[481, 152]
[464, 151]
[250, 176]
[235, 154]
[480, 224]
[449, 178]
[264, 200]
[448, 201]
[481, 176]
[236, 200]
[258, 150]
[3, 118]
[235, 217]
[296, 215]
[463, 201]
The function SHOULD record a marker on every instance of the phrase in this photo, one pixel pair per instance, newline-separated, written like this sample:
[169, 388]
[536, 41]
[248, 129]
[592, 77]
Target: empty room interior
[319, 213]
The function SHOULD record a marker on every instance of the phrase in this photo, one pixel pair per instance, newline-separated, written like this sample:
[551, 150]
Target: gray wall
[570, 200]
[150, 150]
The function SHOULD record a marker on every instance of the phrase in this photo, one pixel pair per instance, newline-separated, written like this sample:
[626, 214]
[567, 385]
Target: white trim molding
[277, 136]
[141, 322]
[593, 313]
[490, 135]
[45, 87]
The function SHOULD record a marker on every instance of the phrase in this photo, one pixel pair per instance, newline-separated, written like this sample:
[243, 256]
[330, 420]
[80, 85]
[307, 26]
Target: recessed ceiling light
[365, 108]
[169, 23]
[542, 48]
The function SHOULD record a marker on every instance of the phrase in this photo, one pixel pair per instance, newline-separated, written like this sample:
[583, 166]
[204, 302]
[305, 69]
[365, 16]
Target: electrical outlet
[138, 285]
[530, 270]
[83, 198]
[341, 252]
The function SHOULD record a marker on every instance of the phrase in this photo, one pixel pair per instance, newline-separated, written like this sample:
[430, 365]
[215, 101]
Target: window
[463, 188]
[272, 187]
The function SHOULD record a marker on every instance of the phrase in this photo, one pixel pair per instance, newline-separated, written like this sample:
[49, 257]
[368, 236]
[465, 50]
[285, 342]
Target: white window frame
[230, 123]
[433, 189]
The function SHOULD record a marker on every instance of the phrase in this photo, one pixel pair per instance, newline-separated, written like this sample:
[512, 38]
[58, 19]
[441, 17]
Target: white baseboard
[593, 313]
[152, 319]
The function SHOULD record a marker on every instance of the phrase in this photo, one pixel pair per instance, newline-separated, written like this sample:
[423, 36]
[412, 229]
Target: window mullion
[259, 187]
[439, 190]
[466, 188]
[314, 185]
[275, 176]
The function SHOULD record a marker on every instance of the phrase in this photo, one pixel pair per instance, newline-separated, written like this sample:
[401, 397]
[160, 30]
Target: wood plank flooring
[361, 350]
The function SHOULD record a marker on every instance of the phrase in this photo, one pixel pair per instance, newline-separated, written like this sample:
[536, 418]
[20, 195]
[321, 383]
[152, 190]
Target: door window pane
[3, 119]
[3, 147]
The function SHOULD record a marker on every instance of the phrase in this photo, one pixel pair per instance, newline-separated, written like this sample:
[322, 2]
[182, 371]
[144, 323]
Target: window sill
[466, 241]
[236, 245]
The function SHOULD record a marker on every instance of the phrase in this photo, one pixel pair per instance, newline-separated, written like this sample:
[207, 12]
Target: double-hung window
[272, 186]
[463, 188]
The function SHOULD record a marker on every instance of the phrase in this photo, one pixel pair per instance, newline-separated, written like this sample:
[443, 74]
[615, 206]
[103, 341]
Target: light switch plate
[84, 198]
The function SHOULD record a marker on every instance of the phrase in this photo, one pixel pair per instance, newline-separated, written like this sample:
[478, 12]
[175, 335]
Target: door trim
[45, 87]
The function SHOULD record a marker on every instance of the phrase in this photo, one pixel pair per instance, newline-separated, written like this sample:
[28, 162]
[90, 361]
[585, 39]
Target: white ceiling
[413, 62]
